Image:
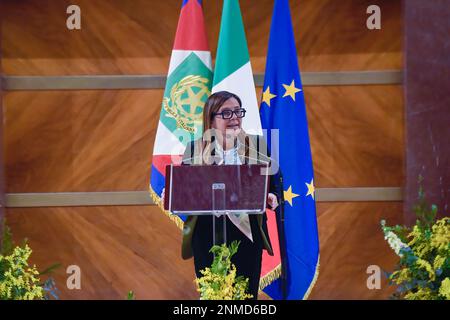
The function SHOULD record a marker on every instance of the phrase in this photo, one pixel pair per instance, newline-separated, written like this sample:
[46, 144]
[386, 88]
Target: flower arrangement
[19, 280]
[219, 282]
[423, 272]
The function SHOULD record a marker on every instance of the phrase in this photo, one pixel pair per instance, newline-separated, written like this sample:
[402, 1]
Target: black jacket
[254, 150]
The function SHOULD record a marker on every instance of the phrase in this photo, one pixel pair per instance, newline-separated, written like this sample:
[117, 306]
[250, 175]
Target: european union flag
[283, 108]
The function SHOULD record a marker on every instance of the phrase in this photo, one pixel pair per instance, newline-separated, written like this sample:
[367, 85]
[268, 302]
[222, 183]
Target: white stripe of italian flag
[233, 71]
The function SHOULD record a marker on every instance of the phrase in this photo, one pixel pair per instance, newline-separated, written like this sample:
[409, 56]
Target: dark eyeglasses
[228, 114]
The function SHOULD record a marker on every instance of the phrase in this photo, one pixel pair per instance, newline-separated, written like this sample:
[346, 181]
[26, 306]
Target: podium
[216, 190]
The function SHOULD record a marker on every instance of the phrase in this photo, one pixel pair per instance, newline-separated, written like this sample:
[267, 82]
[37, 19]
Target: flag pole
[282, 238]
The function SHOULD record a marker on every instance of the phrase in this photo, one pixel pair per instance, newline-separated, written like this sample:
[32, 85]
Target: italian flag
[233, 71]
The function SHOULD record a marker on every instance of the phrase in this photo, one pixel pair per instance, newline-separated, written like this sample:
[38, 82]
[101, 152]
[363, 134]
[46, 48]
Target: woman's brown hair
[213, 104]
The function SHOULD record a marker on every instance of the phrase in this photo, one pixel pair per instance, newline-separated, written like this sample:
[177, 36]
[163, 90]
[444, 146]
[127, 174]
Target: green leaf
[50, 269]
[131, 295]
[7, 242]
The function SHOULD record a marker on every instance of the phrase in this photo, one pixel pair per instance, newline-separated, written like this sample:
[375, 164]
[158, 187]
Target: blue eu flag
[283, 108]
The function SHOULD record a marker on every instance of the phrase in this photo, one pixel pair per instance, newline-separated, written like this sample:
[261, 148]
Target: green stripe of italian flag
[233, 71]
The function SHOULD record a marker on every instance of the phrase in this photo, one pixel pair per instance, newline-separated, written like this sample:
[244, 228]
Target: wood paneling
[103, 140]
[351, 240]
[123, 37]
[117, 249]
[137, 248]
[80, 141]
[357, 135]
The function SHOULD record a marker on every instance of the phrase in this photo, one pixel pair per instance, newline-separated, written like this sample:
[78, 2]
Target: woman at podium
[225, 142]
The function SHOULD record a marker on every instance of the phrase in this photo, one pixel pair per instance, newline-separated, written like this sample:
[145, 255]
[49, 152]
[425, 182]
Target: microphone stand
[282, 238]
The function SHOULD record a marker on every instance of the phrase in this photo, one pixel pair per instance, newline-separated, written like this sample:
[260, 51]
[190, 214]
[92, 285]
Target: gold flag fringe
[157, 200]
[313, 282]
[276, 273]
[270, 277]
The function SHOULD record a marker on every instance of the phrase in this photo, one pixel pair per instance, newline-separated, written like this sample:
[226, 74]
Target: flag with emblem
[233, 71]
[188, 86]
[283, 108]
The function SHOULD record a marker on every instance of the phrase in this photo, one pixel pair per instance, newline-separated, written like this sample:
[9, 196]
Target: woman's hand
[162, 196]
[272, 201]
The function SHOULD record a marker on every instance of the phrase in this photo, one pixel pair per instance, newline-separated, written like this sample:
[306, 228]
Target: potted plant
[423, 270]
[219, 282]
[19, 280]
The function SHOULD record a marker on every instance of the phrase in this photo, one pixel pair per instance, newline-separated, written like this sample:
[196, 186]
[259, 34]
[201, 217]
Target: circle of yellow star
[291, 90]
[311, 188]
[289, 195]
[267, 96]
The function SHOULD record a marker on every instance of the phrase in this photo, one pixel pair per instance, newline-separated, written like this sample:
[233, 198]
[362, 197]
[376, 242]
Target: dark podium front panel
[189, 189]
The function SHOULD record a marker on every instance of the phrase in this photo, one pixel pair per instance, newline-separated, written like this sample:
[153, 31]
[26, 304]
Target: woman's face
[228, 126]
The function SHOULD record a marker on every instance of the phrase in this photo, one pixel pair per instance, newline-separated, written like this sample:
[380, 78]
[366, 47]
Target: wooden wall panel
[357, 135]
[351, 240]
[117, 249]
[123, 37]
[62, 141]
[80, 140]
[137, 248]
[103, 140]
